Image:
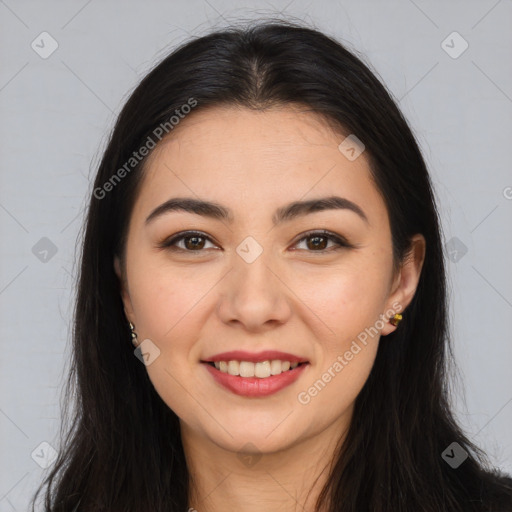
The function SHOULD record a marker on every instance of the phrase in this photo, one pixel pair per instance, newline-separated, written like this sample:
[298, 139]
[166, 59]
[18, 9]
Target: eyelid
[339, 240]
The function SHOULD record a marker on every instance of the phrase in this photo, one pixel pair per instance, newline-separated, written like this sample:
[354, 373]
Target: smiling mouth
[248, 369]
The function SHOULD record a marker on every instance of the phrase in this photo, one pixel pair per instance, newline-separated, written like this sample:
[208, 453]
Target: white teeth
[261, 369]
[234, 368]
[246, 369]
[275, 367]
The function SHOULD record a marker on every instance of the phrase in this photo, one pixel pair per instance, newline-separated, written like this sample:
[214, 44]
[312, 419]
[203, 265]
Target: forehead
[237, 132]
[253, 159]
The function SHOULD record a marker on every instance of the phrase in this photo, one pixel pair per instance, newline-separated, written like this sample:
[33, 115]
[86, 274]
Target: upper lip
[254, 357]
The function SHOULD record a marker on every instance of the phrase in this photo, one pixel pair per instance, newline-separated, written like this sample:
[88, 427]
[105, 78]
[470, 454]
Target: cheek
[164, 297]
[347, 299]
[168, 306]
[333, 389]
[349, 304]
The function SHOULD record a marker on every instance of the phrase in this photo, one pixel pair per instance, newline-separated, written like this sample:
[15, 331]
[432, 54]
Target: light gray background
[56, 112]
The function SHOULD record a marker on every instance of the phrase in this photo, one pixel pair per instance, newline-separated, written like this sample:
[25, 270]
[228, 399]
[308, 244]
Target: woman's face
[253, 278]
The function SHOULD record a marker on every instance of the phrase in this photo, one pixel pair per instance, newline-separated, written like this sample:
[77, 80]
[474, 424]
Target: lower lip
[254, 386]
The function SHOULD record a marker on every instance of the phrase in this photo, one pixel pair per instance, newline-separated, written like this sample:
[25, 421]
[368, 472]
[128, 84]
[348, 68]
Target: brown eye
[187, 242]
[318, 241]
[194, 242]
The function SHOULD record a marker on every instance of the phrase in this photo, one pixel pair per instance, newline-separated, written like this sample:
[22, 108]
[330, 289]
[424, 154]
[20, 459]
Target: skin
[312, 302]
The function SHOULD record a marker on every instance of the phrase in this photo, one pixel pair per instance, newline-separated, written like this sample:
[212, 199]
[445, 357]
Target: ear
[406, 281]
[125, 296]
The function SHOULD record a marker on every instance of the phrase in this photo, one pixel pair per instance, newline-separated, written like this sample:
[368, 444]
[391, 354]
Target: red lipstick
[255, 386]
[255, 357]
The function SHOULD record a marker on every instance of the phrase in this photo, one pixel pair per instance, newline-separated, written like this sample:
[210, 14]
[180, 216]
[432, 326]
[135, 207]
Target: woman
[261, 318]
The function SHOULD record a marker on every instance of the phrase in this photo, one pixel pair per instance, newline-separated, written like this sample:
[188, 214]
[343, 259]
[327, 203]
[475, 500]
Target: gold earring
[395, 320]
[134, 334]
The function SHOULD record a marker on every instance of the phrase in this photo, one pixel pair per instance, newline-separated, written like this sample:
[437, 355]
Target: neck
[285, 481]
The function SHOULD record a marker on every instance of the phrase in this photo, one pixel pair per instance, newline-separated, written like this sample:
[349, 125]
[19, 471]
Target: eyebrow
[284, 214]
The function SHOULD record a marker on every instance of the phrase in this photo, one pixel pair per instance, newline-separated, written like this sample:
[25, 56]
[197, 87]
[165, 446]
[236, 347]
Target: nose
[254, 295]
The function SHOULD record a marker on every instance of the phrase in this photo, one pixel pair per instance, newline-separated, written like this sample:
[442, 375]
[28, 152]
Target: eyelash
[170, 243]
